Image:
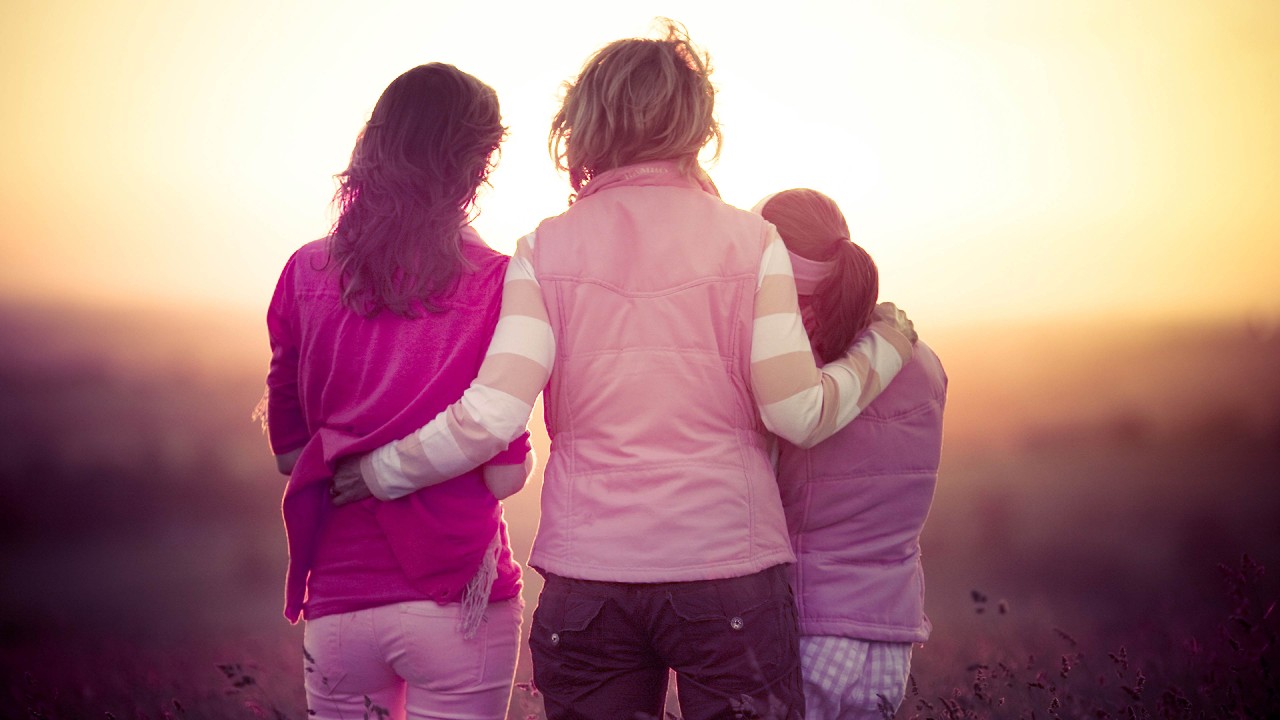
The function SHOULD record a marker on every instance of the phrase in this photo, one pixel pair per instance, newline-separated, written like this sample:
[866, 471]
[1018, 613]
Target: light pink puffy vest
[659, 470]
[855, 506]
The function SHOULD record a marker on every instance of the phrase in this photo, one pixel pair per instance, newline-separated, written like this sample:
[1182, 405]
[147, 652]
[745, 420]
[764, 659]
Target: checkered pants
[846, 679]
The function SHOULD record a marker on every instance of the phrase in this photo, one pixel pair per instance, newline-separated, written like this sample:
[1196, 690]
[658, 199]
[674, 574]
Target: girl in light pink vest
[857, 501]
[664, 326]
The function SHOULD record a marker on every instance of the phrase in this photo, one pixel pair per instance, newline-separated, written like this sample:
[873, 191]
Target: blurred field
[1094, 477]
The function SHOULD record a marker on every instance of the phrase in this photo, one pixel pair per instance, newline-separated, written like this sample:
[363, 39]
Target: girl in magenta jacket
[412, 605]
[667, 324]
[857, 501]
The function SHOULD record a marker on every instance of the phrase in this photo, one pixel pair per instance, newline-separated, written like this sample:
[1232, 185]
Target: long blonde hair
[636, 100]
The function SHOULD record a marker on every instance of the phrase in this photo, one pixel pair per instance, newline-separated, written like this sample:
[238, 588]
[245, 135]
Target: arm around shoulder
[799, 401]
[493, 411]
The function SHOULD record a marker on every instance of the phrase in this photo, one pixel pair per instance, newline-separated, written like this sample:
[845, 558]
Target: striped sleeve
[798, 401]
[493, 411]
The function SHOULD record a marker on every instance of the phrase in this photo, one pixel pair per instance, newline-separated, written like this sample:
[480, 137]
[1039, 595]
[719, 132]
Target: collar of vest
[657, 173]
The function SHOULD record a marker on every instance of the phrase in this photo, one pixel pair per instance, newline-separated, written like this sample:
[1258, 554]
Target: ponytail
[844, 302]
[812, 227]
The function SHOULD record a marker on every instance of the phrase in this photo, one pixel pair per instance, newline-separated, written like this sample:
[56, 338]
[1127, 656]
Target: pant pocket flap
[573, 612]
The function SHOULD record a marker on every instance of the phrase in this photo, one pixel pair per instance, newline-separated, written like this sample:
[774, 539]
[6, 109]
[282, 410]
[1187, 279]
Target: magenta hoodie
[342, 384]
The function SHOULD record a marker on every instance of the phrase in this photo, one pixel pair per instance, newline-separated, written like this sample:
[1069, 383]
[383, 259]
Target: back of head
[412, 181]
[636, 100]
[812, 226]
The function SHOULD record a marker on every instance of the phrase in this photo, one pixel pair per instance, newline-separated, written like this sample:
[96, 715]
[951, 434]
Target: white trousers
[409, 660]
[847, 679]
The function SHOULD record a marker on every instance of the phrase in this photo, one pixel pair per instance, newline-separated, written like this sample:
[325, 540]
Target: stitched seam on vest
[855, 619]
[741, 371]
[797, 541]
[861, 623]
[912, 559]
[673, 350]
[647, 467]
[576, 280]
[917, 410]
[924, 473]
[566, 419]
[854, 616]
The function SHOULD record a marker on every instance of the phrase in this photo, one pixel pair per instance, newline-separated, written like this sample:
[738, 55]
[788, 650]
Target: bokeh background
[1077, 202]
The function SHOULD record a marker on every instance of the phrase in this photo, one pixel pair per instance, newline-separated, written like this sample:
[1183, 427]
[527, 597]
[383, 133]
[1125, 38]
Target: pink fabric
[809, 273]
[856, 504]
[410, 659]
[342, 384]
[658, 469]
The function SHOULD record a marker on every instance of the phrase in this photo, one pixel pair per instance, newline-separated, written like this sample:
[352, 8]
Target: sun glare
[998, 159]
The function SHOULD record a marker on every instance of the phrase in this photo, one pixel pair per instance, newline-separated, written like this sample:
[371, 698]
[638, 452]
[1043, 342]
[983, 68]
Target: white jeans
[411, 660]
[849, 679]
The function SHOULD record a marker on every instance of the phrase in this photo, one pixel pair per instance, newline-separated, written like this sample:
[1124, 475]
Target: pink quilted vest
[855, 506]
[659, 469]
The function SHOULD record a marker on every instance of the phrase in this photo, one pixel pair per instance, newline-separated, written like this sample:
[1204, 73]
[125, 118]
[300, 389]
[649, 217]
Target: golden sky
[1001, 160]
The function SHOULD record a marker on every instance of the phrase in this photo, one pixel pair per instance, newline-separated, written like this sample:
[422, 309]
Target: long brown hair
[410, 188]
[812, 226]
[636, 100]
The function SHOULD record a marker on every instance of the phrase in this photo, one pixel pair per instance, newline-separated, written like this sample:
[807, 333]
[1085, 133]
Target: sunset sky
[1000, 160]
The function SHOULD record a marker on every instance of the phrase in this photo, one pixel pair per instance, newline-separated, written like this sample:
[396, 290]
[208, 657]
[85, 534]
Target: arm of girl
[280, 410]
[798, 401]
[494, 409]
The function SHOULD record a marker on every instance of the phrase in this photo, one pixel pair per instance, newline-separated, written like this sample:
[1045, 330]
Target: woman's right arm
[492, 412]
[798, 401]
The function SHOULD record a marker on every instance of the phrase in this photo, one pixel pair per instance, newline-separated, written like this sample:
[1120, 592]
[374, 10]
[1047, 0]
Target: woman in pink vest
[411, 605]
[671, 322]
[856, 502]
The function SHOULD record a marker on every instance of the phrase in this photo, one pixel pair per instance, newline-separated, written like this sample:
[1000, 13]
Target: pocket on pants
[755, 632]
[563, 618]
[322, 660]
[433, 653]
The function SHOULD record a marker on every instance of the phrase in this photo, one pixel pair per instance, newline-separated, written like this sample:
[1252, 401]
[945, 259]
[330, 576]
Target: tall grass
[142, 555]
[1173, 668]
